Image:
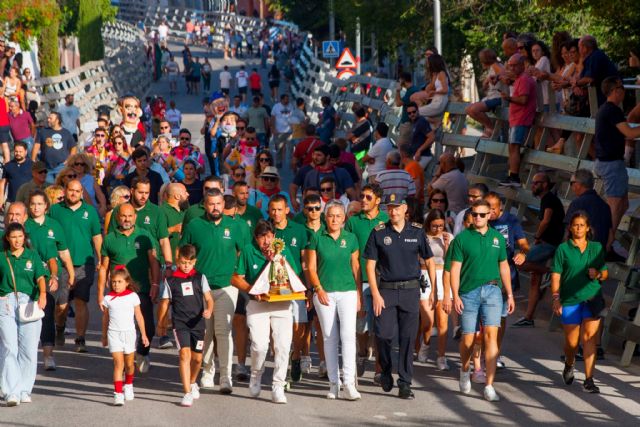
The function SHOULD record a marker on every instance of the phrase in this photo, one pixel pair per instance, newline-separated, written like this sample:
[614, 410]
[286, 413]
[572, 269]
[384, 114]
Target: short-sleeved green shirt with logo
[251, 262]
[333, 258]
[311, 232]
[149, 217]
[27, 269]
[251, 215]
[295, 238]
[217, 246]
[173, 217]
[79, 227]
[573, 267]
[131, 251]
[244, 228]
[46, 238]
[480, 255]
[195, 211]
[361, 225]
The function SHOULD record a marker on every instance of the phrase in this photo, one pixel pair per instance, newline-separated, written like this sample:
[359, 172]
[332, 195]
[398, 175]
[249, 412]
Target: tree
[89, 31]
[25, 20]
[48, 50]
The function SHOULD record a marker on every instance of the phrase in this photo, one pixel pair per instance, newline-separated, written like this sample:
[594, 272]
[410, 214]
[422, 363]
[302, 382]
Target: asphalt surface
[532, 393]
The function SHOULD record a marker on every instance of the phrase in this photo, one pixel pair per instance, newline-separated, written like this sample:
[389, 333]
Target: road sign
[331, 49]
[346, 60]
[346, 73]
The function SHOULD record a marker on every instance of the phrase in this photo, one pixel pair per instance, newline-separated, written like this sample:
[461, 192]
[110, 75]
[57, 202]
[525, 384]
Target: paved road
[80, 391]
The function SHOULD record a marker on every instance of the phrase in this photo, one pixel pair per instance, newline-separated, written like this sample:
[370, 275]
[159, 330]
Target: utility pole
[332, 27]
[358, 50]
[436, 26]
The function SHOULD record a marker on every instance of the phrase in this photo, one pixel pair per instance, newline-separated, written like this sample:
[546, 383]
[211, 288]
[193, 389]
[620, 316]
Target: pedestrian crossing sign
[331, 49]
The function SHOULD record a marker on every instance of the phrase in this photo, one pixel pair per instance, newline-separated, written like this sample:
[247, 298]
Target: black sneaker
[600, 353]
[386, 381]
[523, 322]
[165, 343]
[361, 365]
[568, 374]
[296, 371]
[510, 182]
[405, 392]
[81, 346]
[59, 341]
[589, 386]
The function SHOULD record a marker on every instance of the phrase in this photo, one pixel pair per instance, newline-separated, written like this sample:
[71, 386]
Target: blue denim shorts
[483, 304]
[518, 134]
[614, 176]
[540, 253]
[575, 314]
[365, 324]
[492, 103]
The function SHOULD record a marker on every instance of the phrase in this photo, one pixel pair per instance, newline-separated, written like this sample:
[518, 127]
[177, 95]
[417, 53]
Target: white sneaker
[49, 364]
[322, 370]
[226, 385]
[490, 394]
[465, 382]
[442, 363]
[187, 400]
[118, 399]
[195, 391]
[143, 363]
[206, 381]
[13, 401]
[423, 353]
[255, 384]
[306, 364]
[350, 392]
[334, 391]
[128, 392]
[25, 398]
[277, 394]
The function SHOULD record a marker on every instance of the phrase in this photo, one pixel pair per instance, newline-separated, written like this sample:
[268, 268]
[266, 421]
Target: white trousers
[338, 323]
[264, 318]
[219, 325]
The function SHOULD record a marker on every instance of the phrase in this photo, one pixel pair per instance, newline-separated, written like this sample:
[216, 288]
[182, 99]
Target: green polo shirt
[131, 251]
[251, 215]
[195, 211]
[311, 232]
[46, 238]
[150, 217]
[244, 229]
[301, 219]
[173, 217]
[447, 261]
[251, 262]
[360, 225]
[27, 269]
[479, 255]
[79, 227]
[217, 246]
[295, 238]
[573, 267]
[333, 258]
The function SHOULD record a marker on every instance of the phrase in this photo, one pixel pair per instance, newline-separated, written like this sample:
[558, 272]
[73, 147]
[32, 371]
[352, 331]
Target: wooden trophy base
[293, 296]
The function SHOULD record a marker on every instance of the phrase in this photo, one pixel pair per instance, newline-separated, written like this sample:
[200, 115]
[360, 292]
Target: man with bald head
[81, 225]
[452, 181]
[522, 113]
[17, 212]
[173, 209]
[596, 67]
[509, 47]
[132, 247]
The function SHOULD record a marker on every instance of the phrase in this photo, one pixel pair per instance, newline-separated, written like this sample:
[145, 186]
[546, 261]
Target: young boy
[187, 291]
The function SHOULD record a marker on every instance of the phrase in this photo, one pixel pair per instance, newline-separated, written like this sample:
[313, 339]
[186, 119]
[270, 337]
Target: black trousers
[146, 307]
[48, 331]
[402, 308]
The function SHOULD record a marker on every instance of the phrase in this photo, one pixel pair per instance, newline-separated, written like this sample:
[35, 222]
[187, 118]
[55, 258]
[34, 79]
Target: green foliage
[26, 19]
[89, 31]
[48, 50]
[71, 11]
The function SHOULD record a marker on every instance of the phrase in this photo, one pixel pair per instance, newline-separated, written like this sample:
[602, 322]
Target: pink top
[20, 125]
[523, 115]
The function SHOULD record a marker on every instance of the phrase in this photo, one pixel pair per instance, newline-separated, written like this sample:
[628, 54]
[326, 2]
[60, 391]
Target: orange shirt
[417, 173]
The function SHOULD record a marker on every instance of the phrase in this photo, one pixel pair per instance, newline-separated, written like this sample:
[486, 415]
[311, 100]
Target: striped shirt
[396, 181]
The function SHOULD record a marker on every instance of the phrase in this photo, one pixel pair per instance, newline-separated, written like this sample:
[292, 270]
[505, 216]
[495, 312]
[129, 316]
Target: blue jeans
[481, 304]
[18, 348]
[365, 324]
[53, 173]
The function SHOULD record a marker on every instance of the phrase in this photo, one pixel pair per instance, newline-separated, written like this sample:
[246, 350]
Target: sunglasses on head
[369, 197]
[269, 178]
[479, 214]
[313, 208]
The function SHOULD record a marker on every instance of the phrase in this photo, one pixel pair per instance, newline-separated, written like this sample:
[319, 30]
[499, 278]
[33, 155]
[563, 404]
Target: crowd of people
[378, 244]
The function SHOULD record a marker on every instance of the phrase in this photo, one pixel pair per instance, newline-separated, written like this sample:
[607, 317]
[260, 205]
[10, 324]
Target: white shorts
[299, 311]
[439, 286]
[122, 341]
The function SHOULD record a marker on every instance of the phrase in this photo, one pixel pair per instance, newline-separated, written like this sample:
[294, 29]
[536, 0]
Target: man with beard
[249, 213]
[132, 247]
[81, 226]
[142, 169]
[218, 241]
[70, 116]
[54, 145]
[174, 209]
[196, 211]
[16, 172]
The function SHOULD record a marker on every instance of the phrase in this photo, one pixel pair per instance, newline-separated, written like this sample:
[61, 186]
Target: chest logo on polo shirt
[136, 245]
[249, 222]
[496, 242]
[294, 241]
[255, 266]
[50, 234]
[343, 243]
[147, 220]
[85, 215]
[28, 265]
[227, 233]
[387, 240]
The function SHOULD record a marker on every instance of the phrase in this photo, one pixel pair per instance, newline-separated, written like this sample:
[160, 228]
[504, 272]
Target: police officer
[395, 248]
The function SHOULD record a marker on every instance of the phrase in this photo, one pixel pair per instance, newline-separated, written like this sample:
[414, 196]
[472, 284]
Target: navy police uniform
[396, 255]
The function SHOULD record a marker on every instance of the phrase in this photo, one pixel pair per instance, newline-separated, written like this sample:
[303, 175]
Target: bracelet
[155, 285]
[555, 296]
[509, 296]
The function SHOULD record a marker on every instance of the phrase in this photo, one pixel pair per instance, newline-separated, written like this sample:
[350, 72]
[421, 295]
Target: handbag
[27, 312]
[596, 305]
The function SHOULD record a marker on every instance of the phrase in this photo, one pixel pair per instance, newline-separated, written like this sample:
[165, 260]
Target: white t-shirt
[163, 30]
[379, 152]
[172, 68]
[242, 78]
[70, 115]
[174, 117]
[121, 311]
[282, 114]
[240, 110]
[225, 80]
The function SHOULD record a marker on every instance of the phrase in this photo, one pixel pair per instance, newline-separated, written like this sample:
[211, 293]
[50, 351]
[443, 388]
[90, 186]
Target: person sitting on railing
[522, 113]
[634, 114]
[437, 91]
[327, 121]
[360, 133]
[492, 87]
[402, 99]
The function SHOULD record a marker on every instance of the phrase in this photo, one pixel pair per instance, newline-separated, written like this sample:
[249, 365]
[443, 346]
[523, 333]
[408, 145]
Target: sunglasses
[60, 199]
[240, 175]
[119, 143]
[237, 128]
[313, 208]
[78, 164]
[411, 112]
[185, 139]
[126, 196]
[438, 200]
[326, 189]
[369, 197]
[479, 214]
[437, 227]
[264, 159]
[100, 135]
[269, 178]
[165, 127]
[41, 172]
[70, 176]
[206, 189]
[473, 196]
